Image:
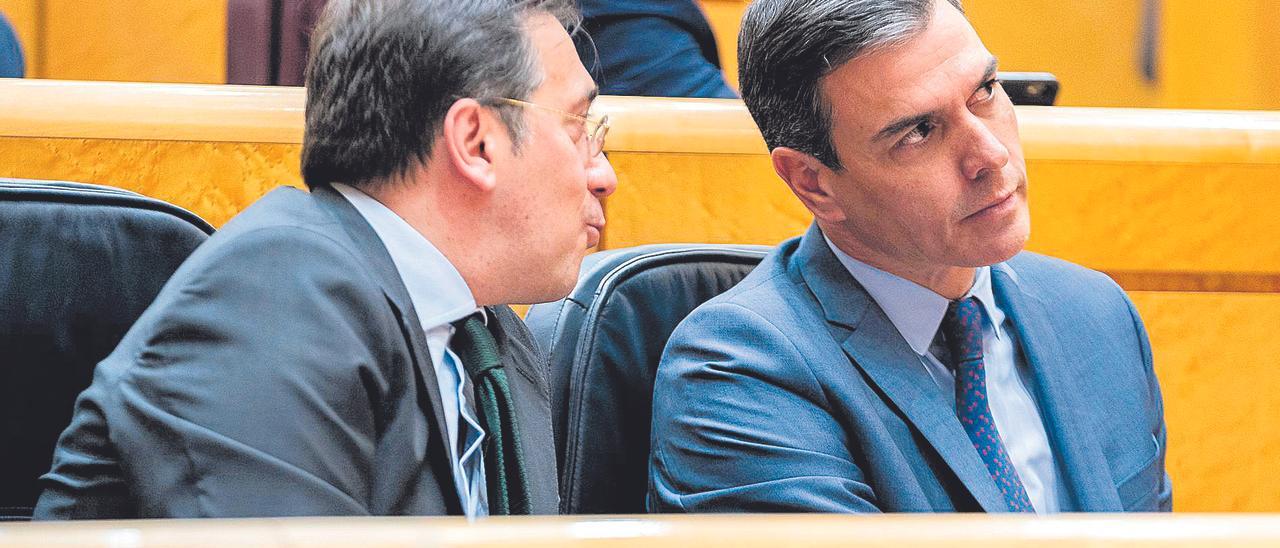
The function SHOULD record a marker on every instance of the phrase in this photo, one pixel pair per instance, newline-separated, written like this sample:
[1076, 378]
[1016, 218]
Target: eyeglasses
[596, 126]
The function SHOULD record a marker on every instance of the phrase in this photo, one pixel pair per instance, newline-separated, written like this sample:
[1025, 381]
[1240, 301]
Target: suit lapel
[1084, 467]
[384, 269]
[529, 389]
[876, 347]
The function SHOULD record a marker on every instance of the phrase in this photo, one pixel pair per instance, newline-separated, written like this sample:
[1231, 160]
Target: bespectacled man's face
[934, 176]
[552, 187]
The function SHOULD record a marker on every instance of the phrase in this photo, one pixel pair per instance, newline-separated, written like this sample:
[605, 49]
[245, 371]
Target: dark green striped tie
[503, 461]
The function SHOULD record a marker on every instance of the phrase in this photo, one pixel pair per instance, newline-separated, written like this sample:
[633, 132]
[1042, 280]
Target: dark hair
[786, 47]
[383, 73]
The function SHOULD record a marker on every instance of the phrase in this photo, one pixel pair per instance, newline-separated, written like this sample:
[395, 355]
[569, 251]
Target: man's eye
[986, 90]
[577, 130]
[917, 134]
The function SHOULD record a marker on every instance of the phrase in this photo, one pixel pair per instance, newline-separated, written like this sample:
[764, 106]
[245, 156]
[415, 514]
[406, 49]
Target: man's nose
[985, 152]
[601, 179]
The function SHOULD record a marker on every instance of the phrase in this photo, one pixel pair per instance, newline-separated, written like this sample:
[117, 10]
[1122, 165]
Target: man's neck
[951, 282]
[447, 227]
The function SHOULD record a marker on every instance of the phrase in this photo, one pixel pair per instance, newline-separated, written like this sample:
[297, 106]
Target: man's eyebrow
[585, 102]
[897, 126]
[992, 67]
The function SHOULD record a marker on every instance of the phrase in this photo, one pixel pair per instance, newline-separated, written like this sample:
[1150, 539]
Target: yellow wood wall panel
[1220, 54]
[1215, 355]
[1173, 217]
[707, 198]
[137, 40]
[214, 180]
[1090, 46]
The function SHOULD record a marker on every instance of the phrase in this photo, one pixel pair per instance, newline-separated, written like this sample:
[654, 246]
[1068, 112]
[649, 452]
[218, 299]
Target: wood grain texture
[214, 180]
[747, 531]
[1215, 355]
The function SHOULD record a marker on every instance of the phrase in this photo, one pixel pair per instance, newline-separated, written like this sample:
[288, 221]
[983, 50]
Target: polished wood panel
[216, 180]
[1215, 356]
[161, 112]
[747, 531]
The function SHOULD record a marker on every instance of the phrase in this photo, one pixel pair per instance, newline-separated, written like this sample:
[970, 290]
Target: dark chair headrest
[78, 264]
[604, 342]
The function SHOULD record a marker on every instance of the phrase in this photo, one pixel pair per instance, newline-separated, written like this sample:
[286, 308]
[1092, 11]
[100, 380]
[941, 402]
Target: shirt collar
[438, 292]
[915, 310]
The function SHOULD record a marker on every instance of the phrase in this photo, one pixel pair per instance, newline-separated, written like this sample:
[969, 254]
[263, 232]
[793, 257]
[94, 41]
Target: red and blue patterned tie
[962, 327]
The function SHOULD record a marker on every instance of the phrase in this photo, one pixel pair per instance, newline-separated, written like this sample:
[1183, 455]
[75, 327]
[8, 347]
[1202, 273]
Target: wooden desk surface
[1203, 530]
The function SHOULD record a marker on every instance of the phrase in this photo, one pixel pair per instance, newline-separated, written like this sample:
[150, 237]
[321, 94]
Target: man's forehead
[563, 72]
[944, 59]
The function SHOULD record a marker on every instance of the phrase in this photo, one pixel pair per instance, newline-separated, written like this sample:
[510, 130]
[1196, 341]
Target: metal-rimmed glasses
[596, 127]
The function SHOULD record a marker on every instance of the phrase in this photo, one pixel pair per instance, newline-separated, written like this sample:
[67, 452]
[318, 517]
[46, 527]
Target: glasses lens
[597, 136]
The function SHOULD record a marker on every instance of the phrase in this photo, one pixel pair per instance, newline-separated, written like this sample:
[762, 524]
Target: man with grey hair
[349, 351]
[905, 354]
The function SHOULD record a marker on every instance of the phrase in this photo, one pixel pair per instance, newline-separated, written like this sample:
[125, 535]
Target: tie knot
[475, 345]
[962, 326]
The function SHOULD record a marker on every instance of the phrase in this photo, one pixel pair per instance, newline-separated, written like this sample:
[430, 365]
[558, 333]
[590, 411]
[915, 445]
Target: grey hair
[383, 73]
[786, 47]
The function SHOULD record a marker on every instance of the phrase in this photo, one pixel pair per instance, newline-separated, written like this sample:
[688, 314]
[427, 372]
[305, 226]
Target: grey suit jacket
[794, 392]
[281, 371]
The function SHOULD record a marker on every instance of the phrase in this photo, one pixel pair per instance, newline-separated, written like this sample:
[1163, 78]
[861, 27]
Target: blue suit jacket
[794, 392]
[11, 63]
[661, 48]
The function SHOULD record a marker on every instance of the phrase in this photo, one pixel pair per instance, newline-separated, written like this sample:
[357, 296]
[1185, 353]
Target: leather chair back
[604, 342]
[78, 264]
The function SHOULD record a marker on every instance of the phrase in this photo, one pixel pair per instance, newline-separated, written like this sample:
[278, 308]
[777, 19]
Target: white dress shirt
[440, 296]
[917, 313]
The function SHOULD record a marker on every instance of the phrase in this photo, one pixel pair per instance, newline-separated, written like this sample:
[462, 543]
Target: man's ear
[467, 141]
[810, 181]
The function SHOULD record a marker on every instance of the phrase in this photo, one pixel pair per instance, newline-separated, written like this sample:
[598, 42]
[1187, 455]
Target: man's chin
[1006, 249]
[993, 250]
[550, 290]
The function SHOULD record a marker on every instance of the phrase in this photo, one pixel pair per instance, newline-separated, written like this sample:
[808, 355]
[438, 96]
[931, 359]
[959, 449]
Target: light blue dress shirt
[917, 313]
[440, 296]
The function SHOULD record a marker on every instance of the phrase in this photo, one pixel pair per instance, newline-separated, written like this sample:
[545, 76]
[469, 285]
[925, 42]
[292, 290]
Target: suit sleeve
[740, 424]
[258, 390]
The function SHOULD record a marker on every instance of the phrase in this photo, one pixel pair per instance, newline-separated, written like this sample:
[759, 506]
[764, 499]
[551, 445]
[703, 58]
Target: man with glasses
[349, 351]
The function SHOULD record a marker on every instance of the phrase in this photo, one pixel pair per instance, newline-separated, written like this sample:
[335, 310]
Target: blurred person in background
[11, 62]
[655, 48]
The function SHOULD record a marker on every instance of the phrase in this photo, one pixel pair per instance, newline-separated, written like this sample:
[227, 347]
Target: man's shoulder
[771, 298]
[284, 206]
[1052, 277]
[769, 287]
[1076, 299]
[282, 252]
[286, 222]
